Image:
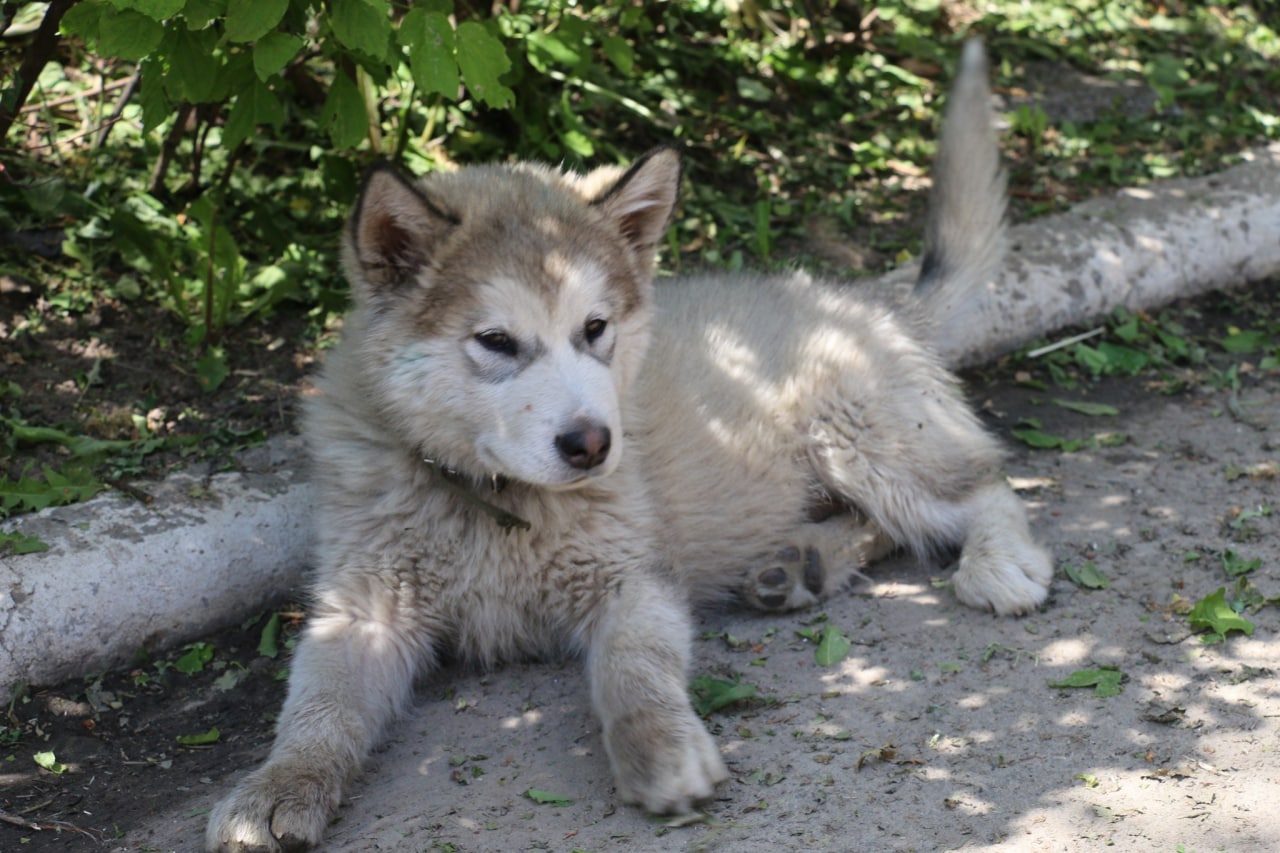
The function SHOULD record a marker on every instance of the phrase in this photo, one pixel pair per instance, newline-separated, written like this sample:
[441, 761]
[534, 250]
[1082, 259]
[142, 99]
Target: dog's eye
[497, 341]
[594, 329]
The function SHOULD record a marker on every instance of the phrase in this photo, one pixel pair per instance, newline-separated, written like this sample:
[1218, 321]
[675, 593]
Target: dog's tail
[964, 236]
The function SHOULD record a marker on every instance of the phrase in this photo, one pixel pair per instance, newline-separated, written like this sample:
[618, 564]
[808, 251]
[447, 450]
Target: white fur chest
[469, 585]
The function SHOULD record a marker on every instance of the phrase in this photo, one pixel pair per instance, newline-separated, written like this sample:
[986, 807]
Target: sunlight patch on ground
[1031, 484]
[1075, 719]
[528, 718]
[858, 673]
[1066, 652]
[916, 593]
[967, 803]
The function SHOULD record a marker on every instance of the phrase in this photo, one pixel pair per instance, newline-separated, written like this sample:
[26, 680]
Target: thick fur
[776, 435]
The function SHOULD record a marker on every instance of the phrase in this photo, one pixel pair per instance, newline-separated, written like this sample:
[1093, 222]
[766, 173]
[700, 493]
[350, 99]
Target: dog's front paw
[276, 808]
[664, 762]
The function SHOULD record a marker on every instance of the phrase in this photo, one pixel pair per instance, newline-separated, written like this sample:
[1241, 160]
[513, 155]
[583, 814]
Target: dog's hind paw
[273, 809]
[1010, 578]
[794, 578]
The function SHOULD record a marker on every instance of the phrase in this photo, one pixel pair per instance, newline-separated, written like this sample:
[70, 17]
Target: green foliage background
[225, 175]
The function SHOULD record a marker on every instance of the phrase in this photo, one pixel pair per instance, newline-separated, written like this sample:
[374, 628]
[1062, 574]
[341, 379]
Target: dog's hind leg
[915, 460]
[1002, 568]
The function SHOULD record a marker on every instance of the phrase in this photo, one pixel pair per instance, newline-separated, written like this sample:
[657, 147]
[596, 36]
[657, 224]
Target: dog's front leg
[663, 758]
[352, 672]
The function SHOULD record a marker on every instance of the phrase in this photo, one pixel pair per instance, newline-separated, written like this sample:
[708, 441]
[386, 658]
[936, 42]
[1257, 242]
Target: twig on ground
[48, 826]
[1066, 342]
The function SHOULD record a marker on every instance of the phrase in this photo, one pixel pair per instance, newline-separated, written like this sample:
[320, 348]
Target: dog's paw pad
[794, 578]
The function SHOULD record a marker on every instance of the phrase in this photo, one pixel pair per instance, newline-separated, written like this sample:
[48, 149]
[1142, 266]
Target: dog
[523, 447]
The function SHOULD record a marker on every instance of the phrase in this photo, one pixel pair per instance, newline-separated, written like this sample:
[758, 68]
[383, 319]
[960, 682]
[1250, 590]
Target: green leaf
[269, 641]
[546, 798]
[711, 694]
[199, 14]
[128, 35]
[1089, 358]
[751, 89]
[362, 25]
[193, 63]
[619, 52]
[195, 659]
[1213, 613]
[1235, 565]
[1086, 576]
[204, 739]
[1111, 358]
[49, 762]
[249, 20]
[229, 679]
[578, 142]
[344, 114]
[1246, 342]
[157, 10]
[29, 494]
[1105, 681]
[1123, 360]
[83, 20]
[547, 49]
[1129, 330]
[1086, 408]
[77, 445]
[1038, 438]
[212, 369]
[273, 52]
[255, 105]
[155, 103]
[429, 38]
[1175, 344]
[833, 647]
[483, 59]
[21, 543]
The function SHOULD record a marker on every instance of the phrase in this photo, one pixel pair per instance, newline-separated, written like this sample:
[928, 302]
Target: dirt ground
[111, 370]
[939, 730]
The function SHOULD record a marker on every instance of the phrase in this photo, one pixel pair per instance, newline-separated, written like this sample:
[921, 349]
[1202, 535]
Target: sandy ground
[940, 729]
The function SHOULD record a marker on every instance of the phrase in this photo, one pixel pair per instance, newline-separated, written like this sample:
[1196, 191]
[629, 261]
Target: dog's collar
[461, 485]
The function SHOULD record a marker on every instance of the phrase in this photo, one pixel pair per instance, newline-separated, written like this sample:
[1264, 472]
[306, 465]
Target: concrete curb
[121, 576]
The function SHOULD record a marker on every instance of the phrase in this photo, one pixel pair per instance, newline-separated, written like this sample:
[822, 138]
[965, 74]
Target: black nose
[584, 448]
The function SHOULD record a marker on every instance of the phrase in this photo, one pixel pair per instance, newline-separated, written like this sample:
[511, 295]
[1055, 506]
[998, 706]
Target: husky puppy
[508, 466]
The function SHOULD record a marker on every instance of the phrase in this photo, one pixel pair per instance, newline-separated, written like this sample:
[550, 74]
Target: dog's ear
[393, 230]
[640, 202]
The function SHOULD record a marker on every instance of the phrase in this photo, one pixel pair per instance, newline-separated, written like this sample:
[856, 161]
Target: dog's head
[501, 312]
